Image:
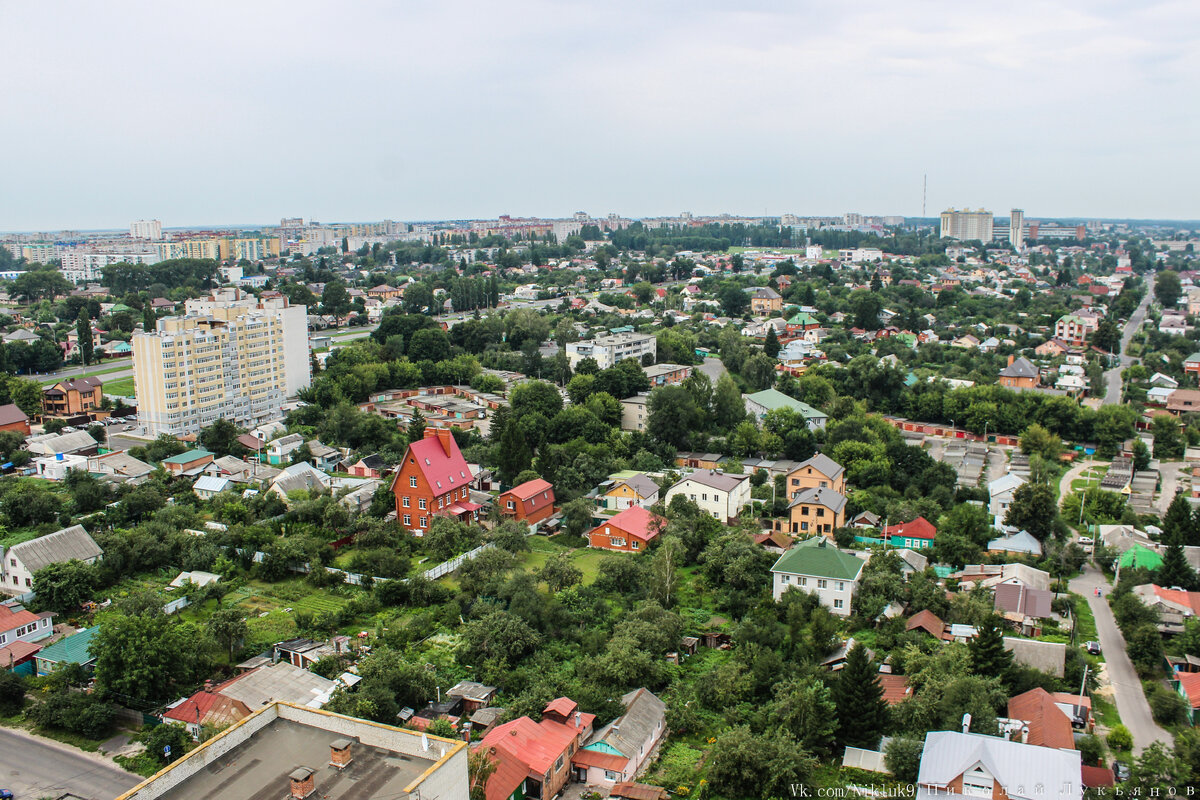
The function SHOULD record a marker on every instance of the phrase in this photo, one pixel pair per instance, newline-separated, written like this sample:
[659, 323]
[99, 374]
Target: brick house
[530, 502]
[533, 759]
[818, 472]
[70, 398]
[13, 418]
[816, 511]
[631, 531]
[433, 479]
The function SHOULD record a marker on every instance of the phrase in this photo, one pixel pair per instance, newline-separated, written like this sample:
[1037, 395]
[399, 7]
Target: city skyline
[471, 112]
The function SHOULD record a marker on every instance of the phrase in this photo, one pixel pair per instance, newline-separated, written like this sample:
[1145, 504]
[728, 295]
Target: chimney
[578, 720]
[1024, 734]
[1010, 359]
[302, 784]
[966, 723]
[339, 754]
[444, 436]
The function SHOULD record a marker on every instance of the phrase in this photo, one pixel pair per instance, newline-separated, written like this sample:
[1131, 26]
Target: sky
[221, 113]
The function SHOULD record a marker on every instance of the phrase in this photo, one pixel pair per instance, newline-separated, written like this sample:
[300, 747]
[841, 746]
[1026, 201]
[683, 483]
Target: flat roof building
[287, 751]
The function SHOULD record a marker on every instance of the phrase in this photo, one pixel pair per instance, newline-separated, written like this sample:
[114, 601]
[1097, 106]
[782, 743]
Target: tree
[335, 300]
[1107, 336]
[83, 330]
[989, 658]
[674, 416]
[513, 455]
[480, 768]
[805, 709]
[862, 712]
[865, 306]
[744, 765]
[147, 659]
[1033, 509]
[903, 758]
[169, 738]
[1168, 441]
[1141, 456]
[228, 627]
[734, 300]
[1037, 439]
[26, 393]
[429, 344]
[1119, 738]
[577, 516]
[771, 345]
[416, 427]
[65, 586]
[221, 438]
[728, 407]
[559, 573]
[149, 319]
[1167, 288]
[497, 635]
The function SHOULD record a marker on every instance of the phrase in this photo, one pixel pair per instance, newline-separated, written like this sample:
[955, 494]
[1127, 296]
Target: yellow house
[818, 472]
[638, 490]
[816, 511]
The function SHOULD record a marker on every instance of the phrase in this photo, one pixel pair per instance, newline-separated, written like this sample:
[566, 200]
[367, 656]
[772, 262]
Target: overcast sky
[244, 112]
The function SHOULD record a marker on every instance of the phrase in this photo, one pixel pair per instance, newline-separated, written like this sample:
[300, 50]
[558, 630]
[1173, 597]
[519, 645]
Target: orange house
[68, 398]
[631, 531]
[1019, 374]
[531, 502]
[13, 419]
[433, 479]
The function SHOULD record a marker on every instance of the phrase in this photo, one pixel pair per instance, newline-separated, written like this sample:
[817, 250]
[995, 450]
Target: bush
[1119, 738]
[1091, 749]
[160, 737]
[74, 712]
[1167, 706]
[12, 693]
[903, 757]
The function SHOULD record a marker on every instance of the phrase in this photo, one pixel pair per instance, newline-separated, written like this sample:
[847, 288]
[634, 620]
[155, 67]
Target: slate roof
[820, 496]
[714, 479]
[820, 558]
[121, 463]
[1046, 656]
[824, 465]
[210, 483]
[1043, 772]
[643, 484]
[56, 548]
[1019, 542]
[10, 413]
[62, 443]
[644, 713]
[1019, 368]
[282, 682]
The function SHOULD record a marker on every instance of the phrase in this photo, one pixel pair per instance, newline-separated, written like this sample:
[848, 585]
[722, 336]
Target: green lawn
[585, 559]
[121, 388]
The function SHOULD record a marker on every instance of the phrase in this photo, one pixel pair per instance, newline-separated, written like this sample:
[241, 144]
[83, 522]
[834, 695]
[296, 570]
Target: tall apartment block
[150, 229]
[230, 355]
[967, 226]
[1016, 228]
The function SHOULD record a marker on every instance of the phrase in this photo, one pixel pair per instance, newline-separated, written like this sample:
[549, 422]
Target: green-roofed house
[816, 565]
[800, 322]
[192, 462]
[74, 649]
[760, 403]
[1140, 556]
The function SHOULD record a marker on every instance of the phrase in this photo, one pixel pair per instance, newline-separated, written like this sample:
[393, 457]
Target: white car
[1085, 540]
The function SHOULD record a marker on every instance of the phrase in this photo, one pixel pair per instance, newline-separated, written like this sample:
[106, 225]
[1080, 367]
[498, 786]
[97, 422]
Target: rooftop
[256, 756]
[819, 557]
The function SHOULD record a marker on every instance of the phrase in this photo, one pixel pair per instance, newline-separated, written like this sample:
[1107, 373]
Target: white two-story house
[22, 561]
[816, 565]
[718, 494]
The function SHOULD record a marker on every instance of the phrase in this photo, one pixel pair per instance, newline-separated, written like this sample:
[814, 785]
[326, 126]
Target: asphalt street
[33, 768]
[1112, 378]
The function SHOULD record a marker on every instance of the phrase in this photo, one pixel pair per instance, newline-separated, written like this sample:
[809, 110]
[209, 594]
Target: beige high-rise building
[967, 226]
[1016, 229]
[230, 355]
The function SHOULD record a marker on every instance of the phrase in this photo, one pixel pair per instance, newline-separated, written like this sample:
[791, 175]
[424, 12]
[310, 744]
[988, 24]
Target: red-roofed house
[895, 688]
[433, 479]
[630, 531]
[542, 749]
[20, 625]
[206, 707]
[916, 535]
[530, 502]
[1096, 777]
[1188, 686]
[13, 419]
[1048, 725]
[16, 656]
[929, 622]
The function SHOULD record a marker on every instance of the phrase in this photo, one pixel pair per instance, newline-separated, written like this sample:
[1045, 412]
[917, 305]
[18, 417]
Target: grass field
[1089, 479]
[585, 559]
[121, 388]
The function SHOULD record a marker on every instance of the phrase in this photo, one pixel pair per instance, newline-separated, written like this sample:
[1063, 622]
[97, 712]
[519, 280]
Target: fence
[356, 579]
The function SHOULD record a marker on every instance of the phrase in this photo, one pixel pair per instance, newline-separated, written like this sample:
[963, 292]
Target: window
[609, 775]
[704, 496]
[616, 541]
[440, 501]
[404, 501]
[423, 522]
[821, 582]
[841, 586]
[785, 579]
[837, 603]
[12, 561]
[635, 544]
[421, 503]
[558, 764]
[976, 782]
[511, 505]
[803, 581]
[412, 481]
[408, 519]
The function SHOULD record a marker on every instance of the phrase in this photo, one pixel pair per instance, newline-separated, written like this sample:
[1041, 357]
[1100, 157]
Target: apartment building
[149, 229]
[250, 248]
[1074, 328]
[608, 350]
[230, 355]
[188, 248]
[83, 266]
[967, 225]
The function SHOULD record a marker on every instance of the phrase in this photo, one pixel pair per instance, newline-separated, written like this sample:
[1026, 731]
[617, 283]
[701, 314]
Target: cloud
[245, 112]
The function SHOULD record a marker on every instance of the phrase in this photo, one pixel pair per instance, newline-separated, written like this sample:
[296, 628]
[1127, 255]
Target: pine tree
[83, 328]
[876, 282]
[1175, 570]
[988, 656]
[771, 346]
[416, 428]
[513, 456]
[862, 712]
[1177, 522]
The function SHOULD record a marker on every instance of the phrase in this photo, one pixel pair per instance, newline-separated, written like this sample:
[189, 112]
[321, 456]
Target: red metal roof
[563, 706]
[1095, 777]
[592, 758]
[637, 522]
[919, 528]
[638, 791]
[1190, 681]
[10, 619]
[209, 707]
[509, 774]
[443, 470]
[1048, 725]
[895, 688]
[18, 651]
[530, 489]
[536, 745]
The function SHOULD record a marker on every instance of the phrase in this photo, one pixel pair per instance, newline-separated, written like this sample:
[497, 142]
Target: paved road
[1170, 472]
[1112, 377]
[714, 368]
[32, 767]
[1131, 701]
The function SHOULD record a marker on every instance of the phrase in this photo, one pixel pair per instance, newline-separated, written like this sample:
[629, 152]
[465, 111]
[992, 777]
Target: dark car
[1121, 771]
[1092, 647]
[5, 794]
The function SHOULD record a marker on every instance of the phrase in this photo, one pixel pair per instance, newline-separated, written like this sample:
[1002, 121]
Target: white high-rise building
[608, 350]
[230, 355]
[150, 229]
[1016, 228]
[81, 266]
[967, 226]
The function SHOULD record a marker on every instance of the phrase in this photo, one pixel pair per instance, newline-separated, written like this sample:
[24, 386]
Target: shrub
[1167, 706]
[903, 757]
[1119, 738]
[1091, 749]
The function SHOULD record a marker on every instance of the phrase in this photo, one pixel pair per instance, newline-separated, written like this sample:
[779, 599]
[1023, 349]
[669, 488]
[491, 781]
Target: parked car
[1121, 771]
[1092, 647]
[1085, 540]
[5, 794]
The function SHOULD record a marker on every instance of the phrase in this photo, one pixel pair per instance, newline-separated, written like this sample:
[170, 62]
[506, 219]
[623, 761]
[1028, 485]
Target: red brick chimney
[1010, 359]
[339, 754]
[302, 784]
[444, 436]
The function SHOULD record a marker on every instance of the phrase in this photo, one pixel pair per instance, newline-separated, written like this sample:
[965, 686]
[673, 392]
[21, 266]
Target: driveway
[1131, 701]
[1170, 472]
[714, 368]
[1075, 472]
[33, 767]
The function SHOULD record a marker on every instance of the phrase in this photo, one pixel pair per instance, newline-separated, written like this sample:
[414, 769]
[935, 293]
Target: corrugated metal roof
[56, 548]
[1026, 771]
